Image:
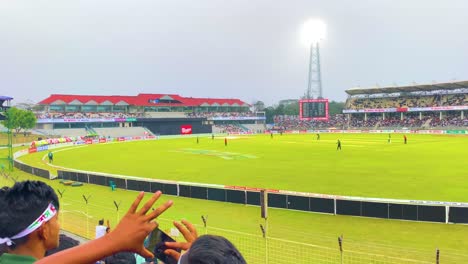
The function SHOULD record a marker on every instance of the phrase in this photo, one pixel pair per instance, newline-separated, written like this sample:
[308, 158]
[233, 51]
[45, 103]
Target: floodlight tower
[313, 31]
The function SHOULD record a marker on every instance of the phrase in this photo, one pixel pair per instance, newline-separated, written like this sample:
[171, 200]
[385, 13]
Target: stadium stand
[153, 111]
[438, 105]
[230, 129]
[115, 132]
[68, 132]
[5, 103]
[165, 114]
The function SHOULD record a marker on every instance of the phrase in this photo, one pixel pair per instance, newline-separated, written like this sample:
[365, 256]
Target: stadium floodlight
[313, 31]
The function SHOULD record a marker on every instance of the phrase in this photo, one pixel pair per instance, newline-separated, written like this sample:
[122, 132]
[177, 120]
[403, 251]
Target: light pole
[313, 31]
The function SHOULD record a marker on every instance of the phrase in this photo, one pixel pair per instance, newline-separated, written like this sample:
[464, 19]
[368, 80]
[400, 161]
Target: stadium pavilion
[438, 100]
[153, 111]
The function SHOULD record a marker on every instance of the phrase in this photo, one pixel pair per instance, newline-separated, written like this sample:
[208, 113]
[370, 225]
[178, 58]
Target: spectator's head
[209, 249]
[29, 218]
[121, 258]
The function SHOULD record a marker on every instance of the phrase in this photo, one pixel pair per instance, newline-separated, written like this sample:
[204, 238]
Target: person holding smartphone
[204, 249]
[127, 236]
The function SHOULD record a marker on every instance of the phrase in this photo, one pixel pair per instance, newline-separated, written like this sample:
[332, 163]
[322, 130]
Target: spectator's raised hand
[135, 226]
[190, 234]
[129, 235]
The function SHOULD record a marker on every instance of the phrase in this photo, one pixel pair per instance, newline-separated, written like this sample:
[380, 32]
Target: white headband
[49, 212]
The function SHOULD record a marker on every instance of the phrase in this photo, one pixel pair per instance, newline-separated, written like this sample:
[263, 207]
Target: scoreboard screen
[313, 109]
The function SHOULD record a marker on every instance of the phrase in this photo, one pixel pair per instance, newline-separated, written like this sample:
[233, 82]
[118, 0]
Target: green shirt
[16, 259]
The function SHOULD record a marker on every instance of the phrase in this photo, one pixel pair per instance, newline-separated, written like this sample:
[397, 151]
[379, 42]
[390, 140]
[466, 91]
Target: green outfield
[429, 167]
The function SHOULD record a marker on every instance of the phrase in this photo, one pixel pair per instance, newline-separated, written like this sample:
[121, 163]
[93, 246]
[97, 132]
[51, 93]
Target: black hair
[101, 222]
[65, 242]
[21, 205]
[209, 249]
[121, 258]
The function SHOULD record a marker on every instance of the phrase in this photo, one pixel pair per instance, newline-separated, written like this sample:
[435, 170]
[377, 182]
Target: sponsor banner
[186, 129]
[372, 110]
[429, 132]
[121, 139]
[150, 137]
[456, 132]
[221, 118]
[136, 138]
[89, 141]
[234, 187]
[42, 148]
[102, 140]
[83, 120]
[438, 108]
[253, 189]
[248, 133]
[404, 109]
[402, 131]
[32, 150]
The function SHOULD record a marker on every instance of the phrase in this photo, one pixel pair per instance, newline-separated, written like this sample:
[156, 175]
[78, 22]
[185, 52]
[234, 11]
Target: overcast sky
[246, 49]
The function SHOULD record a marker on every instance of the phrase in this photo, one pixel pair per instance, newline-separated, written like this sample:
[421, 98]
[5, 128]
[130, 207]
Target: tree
[18, 119]
[269, 114]
[291, 109]
[336, 107]
[258, 106]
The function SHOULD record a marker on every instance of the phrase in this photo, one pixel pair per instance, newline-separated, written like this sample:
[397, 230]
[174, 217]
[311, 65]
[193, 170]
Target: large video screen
[313, 109]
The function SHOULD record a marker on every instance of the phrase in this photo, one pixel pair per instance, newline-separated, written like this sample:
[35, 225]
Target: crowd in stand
[229, 128]
[78, 115]
[340, 121]
[90, 115]
[408, 101]
[449, 120]
[29, 233]
[285, 122]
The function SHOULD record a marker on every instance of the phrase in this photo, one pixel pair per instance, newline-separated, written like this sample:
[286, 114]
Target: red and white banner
[186, 129]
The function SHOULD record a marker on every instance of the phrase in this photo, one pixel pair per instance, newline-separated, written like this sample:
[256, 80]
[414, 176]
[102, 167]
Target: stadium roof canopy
[409, 88]
[5, 98]
[173, 100]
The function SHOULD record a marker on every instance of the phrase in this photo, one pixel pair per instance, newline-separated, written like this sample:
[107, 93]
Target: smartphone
[156, 240]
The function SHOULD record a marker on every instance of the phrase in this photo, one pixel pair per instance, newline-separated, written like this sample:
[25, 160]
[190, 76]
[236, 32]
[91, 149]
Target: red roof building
[140, 103]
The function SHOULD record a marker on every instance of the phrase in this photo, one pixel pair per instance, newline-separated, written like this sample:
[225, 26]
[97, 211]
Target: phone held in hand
[156, 240]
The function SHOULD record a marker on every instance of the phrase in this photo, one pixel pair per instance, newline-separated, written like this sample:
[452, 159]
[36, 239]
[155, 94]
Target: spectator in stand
[101, 229]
